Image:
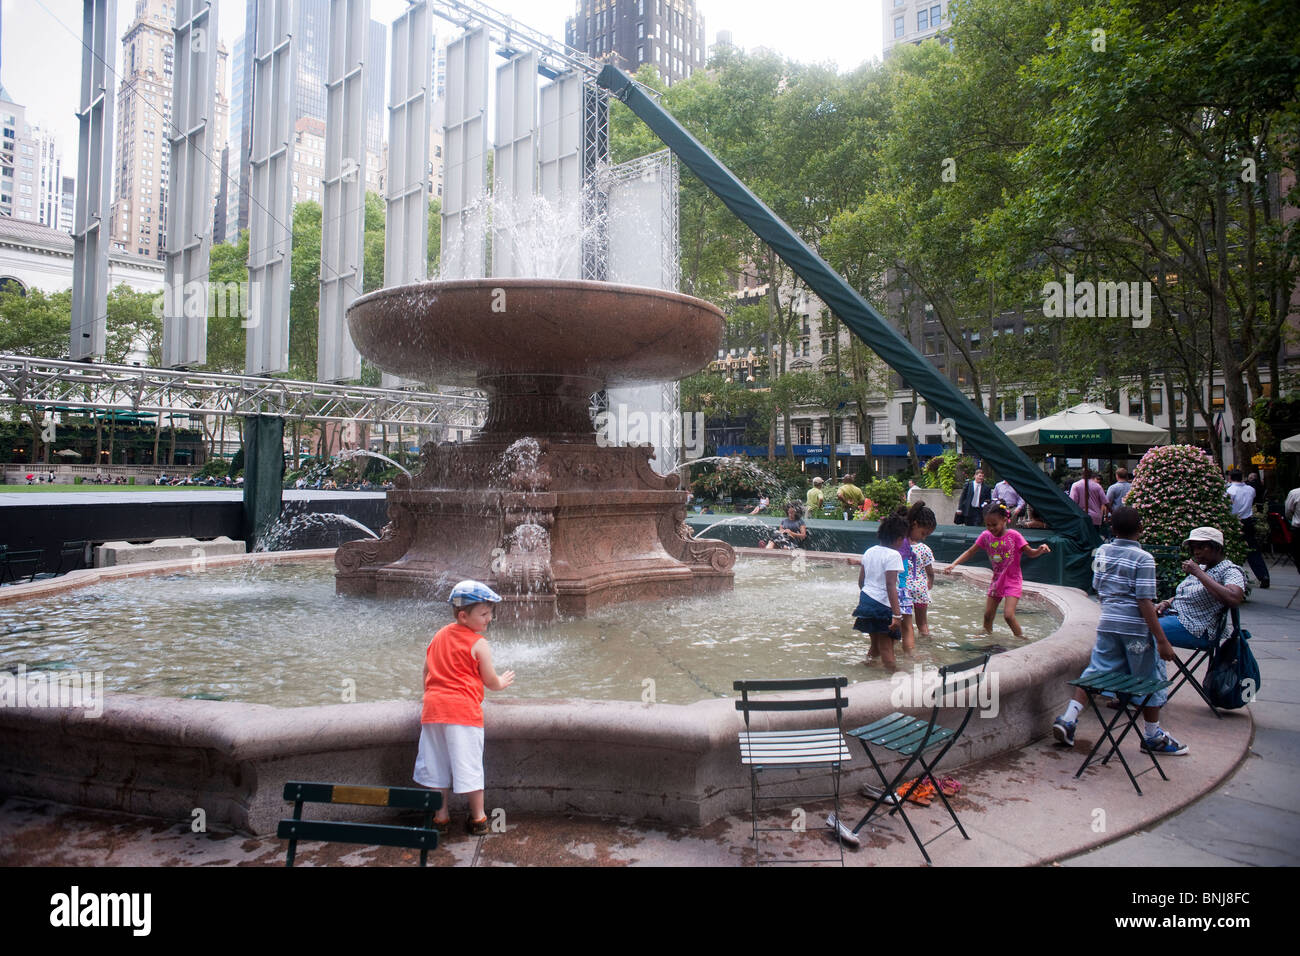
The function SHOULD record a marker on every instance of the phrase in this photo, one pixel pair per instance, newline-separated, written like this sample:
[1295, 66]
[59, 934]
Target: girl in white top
[878, 612]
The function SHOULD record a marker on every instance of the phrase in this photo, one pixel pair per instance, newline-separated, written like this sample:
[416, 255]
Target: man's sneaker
[1164, 745]
[1063, 730]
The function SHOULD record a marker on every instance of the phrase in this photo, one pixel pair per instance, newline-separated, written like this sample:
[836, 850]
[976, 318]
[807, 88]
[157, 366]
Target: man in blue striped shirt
[1124, 577]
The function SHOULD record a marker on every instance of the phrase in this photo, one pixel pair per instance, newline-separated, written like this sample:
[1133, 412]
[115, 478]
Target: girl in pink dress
[1004, 546]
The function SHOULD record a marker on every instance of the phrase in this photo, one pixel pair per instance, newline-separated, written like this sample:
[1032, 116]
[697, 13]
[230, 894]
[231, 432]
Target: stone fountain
[556, 522]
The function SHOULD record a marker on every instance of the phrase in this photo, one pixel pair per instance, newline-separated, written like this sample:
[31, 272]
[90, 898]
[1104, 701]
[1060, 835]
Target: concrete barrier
[112, 553]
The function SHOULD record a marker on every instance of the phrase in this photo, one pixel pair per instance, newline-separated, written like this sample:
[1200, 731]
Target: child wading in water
[920, 571]
[1004, 547]
[879, 613]
[457, 667]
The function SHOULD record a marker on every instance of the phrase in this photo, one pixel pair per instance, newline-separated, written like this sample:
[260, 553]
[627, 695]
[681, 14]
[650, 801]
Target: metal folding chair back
[957, 686]
[1279, 538]
[1202, 657]
[800, 749]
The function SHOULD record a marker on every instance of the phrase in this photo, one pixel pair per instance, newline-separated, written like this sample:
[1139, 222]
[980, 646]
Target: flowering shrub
[884, 496]
[1178, 488]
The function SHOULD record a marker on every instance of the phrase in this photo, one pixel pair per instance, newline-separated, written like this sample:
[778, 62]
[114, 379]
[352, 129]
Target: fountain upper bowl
[453, 332]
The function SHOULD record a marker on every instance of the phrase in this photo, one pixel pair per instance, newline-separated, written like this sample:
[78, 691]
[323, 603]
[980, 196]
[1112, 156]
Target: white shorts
[450, 757]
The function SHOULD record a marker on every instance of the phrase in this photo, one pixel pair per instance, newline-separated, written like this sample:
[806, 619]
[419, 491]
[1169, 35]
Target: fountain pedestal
[563, 531]
[555, 522]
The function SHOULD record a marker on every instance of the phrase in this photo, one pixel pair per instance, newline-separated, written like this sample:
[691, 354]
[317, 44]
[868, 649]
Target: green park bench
[423, 838]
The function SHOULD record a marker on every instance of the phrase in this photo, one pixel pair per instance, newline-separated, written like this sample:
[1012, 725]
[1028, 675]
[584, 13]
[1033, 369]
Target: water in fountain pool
[283, 637]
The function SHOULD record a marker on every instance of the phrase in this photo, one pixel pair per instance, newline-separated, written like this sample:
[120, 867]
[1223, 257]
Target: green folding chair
[913, 737]
[798, 750]
[1133, 693]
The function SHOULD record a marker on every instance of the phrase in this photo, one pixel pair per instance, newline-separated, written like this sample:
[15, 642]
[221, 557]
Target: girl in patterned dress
[920, 578]
[904, 595]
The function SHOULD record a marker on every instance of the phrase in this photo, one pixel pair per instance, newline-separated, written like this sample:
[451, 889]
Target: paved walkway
[1254, 818]
[1234, 800]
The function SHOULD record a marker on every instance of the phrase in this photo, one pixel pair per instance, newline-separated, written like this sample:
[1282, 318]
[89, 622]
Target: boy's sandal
[476, 827]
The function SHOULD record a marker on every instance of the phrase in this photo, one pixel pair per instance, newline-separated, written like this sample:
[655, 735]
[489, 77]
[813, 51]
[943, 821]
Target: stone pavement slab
[1254, 819]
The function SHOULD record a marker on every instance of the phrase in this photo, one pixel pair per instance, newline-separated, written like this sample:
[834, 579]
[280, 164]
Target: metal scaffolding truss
[510, 36]
[595, 195]
[74, 386]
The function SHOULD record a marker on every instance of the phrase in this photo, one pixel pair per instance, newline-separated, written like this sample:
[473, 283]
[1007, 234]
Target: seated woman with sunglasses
[1213, 584]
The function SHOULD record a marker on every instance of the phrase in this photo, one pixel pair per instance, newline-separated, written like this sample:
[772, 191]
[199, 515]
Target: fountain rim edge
[535, 283]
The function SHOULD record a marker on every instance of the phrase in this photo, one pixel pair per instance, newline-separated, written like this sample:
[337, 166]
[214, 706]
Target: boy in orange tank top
[457, 668]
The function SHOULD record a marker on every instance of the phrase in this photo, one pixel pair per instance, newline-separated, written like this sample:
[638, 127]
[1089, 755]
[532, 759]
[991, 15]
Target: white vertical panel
[406, 237]
[641, 230]
[270, 217]
[188, 236]
[464, 238]
[343, 211]
[514, 169]
[559, 163]
[90, 231]
[406, 222]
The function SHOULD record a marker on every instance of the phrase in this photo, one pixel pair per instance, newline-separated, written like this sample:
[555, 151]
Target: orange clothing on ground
[453, 689]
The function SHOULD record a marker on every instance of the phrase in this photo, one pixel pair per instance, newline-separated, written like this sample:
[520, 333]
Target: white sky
[40, 61]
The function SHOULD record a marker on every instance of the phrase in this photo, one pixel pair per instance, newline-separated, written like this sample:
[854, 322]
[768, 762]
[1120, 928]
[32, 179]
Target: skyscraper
[18, 170]
[144, 110]
[311, 35]
[667, 34]
[31, 168]
[49, 177]
[240, 103]
[67, 203]
[144, 106]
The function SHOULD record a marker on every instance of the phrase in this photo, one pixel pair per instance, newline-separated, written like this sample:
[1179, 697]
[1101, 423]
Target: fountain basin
[646, 761]
[460, 332]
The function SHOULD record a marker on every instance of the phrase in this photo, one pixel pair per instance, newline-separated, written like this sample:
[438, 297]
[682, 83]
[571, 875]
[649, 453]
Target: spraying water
[363, 453]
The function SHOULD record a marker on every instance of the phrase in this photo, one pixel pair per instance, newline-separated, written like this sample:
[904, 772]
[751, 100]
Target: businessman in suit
[974, 499]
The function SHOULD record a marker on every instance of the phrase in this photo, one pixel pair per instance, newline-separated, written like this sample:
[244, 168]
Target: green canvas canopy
[1088, 431]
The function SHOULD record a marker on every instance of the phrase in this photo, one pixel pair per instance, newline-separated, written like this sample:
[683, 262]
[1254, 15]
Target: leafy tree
[1166, 162]
[35, 323]
[373, 276]
[132, 327]
[304, 290]
[227, 266]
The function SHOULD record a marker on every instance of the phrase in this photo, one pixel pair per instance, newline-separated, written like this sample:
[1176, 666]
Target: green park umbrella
[1088, 431]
